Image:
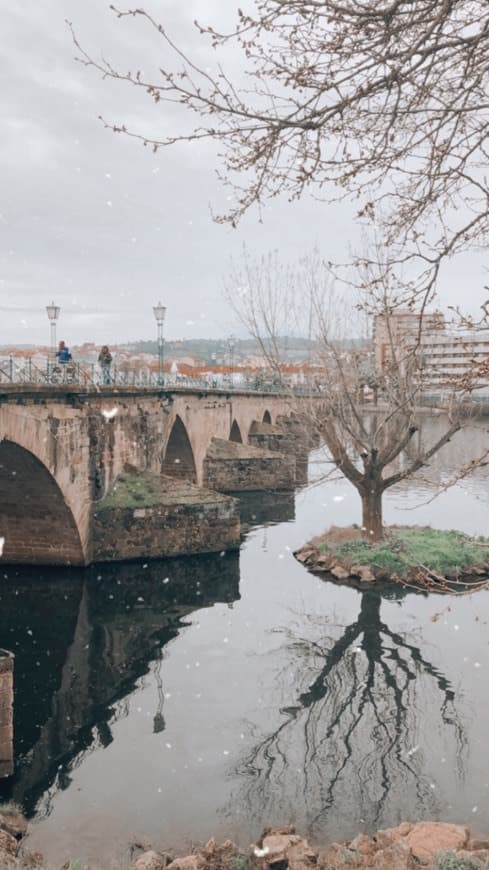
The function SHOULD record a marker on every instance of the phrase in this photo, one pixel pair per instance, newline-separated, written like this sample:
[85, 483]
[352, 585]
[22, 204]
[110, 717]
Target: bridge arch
[37, 524]
[235, 434]
[254, 427]
[179, 458]
[267, 417]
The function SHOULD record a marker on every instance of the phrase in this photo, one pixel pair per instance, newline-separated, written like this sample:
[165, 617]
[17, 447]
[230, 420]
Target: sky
[101, 225]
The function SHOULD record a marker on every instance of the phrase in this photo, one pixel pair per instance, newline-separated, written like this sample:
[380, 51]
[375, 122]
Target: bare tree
[384, 101]
[263, 294]
[373, 447]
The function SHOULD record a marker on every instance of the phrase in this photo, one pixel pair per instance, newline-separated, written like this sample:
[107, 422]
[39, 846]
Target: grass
[132, 491]
[145, 489]
[239, 862]
[450, 861]
[448, 553]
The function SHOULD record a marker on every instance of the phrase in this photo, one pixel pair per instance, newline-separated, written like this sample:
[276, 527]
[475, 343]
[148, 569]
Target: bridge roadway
[62, 449]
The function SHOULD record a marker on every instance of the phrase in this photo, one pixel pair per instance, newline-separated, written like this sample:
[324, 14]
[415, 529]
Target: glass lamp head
[52, 311]
[159, 312]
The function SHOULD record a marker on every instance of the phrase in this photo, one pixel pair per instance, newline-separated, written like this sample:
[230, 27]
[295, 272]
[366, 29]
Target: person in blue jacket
[63, 353]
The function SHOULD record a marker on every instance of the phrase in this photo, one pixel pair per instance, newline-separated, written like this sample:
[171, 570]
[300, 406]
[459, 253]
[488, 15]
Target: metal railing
[15, 370]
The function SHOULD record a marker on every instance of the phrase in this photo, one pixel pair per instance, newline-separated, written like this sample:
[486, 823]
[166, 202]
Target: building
[448, 356]
[400, 330]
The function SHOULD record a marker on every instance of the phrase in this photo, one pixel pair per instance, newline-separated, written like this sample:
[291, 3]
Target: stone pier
[149, 516]
[291, 441]
[6, 713]
[233, 467]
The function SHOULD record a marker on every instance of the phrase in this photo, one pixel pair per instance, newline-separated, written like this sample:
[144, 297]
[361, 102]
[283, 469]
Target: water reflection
[451, 461]
[357, 733]
[265, 508]
[81, 640]
[306, 702]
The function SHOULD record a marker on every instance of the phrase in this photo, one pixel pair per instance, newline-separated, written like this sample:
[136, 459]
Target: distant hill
[292, 348]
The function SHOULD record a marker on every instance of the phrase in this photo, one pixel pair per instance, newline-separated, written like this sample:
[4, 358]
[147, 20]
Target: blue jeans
[106, 374]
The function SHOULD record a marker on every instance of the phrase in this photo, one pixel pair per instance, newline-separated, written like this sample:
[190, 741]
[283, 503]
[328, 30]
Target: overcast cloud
[98, 223]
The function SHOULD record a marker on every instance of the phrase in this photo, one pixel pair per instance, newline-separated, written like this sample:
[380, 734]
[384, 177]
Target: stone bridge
[118, 473]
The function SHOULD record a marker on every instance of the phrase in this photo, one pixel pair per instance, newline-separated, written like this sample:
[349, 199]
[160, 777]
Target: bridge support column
[6, 713]
[300, 429]
[152, 516]
[284, 440]
[233, 467]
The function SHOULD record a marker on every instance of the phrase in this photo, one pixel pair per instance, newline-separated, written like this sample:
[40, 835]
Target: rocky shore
[418, 846]
[410, 557]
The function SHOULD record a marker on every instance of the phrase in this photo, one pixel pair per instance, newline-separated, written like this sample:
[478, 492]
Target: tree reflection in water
[368, 725]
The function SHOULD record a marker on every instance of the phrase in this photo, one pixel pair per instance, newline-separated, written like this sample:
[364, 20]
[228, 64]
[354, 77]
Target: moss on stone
[133, 490]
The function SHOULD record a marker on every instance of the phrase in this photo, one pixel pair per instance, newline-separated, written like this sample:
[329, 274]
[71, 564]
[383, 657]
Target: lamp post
[231, 346]
[159, 312]
[53, 314]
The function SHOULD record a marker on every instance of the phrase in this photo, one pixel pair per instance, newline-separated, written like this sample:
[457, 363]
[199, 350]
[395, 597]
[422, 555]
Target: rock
[339, 857]
[322, 563]
[301, 856]
[283, 848]
[397, 856]
[365, 573]
[149, 860]
[402, 830]
[276, 847]
[190, 862]
[363, 844]
[281, 829]
[477, 844]
[219, 856]
[14, 822]
[339, 572]
[8, 845]
[427, 838]
[304, 554]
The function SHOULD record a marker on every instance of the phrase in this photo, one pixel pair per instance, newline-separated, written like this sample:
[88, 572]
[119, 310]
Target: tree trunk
[372, 514]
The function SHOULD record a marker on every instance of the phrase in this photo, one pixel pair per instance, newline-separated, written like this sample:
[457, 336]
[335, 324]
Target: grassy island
[410, 555]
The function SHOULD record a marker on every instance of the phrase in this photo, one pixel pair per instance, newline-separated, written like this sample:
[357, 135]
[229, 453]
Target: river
[170, 701]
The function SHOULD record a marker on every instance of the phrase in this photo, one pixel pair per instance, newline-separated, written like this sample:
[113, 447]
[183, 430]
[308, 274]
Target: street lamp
[159, 312]
[53, 314]
[231, 346]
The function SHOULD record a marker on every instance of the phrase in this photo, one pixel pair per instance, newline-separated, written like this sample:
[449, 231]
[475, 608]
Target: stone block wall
[289, 442]
[148, 516]
[304, 430]
[166, 530]
[275, 438]
[6, 713]
[242, 475]
[231, 467]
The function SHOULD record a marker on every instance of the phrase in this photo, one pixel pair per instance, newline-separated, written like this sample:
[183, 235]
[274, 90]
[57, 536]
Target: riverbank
[429, 845]
[416, 557]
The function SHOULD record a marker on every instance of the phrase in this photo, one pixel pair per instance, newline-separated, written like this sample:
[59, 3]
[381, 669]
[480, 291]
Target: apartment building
[447, 354]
